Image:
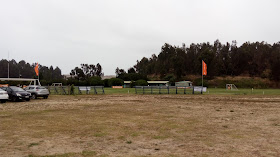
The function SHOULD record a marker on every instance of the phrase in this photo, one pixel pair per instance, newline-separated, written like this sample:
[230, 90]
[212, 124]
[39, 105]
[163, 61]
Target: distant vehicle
[37, 91]
[16, 93]
[3, 96]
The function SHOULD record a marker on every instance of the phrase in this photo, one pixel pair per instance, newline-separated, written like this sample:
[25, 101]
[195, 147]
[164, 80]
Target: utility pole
[8, 64]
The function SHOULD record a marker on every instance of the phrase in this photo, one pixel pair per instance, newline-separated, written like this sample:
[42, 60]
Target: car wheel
[45, 97]
[14, 99]
[3, 101]
[27, 99]
[33, 96]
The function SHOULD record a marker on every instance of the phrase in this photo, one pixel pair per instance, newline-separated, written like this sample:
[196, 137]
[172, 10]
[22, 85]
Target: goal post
[231, 87]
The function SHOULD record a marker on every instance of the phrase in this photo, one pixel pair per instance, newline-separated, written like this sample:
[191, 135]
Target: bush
[106, 82]
[73, 81]
[141, 83]
[72, 89]
[132, 77]
[171, 78]
[132, 84]
[198, 82]
[115, 82]
[96, 81]
[240, 83]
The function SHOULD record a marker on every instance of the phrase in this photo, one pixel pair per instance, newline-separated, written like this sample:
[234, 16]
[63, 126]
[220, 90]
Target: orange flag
[204, 68]
[37, 69]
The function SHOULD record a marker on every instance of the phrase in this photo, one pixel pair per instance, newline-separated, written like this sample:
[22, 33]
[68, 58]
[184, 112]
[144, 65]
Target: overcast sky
[117, 33]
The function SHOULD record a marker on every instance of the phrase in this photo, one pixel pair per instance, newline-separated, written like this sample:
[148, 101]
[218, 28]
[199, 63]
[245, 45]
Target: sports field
[142, 125]
[210, 91]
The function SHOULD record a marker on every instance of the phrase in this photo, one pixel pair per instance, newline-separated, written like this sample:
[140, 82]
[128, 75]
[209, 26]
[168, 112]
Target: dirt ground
[141, 125]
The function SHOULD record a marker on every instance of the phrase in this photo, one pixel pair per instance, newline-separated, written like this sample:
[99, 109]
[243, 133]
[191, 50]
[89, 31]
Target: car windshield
[16, 89]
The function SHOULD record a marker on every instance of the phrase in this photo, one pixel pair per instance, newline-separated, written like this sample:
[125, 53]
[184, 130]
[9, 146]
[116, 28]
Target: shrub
[72, 89]
[198, 82]
[132, 84]
[106, 82]
[115, 82]
[96, 81]
[171, 78]
[141, 83]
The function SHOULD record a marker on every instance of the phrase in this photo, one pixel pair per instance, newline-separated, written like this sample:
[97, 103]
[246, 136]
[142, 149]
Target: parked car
[3, 96]
[17, 93]
[38, 91]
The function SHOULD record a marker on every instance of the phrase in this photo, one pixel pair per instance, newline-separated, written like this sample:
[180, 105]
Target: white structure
[32, 81]
[231, 87]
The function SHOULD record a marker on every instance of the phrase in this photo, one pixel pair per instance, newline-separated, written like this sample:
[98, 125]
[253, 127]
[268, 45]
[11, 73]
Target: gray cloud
[114, 33]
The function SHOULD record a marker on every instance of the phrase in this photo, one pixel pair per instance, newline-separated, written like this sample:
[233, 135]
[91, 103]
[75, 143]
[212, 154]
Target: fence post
[95, 91]
[55, 90]
[168, 89]
[143, 90]
[63, 90]
[49, 89]
[176, 89]
[159, 91]
[80, 92]
[185, 90]
[193, 90]
[135, 89]
[151, 89]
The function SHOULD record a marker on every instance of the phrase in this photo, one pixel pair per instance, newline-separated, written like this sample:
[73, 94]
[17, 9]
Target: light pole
[8, 64]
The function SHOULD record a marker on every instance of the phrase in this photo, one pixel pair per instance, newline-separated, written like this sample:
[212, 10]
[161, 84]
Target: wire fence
[66, 90]
[164, 90]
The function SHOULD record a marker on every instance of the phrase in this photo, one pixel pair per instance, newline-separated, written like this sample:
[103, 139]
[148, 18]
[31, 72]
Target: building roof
[108, 77]
[17, 79]
[155, 82]
[184, 82]
[150, 82]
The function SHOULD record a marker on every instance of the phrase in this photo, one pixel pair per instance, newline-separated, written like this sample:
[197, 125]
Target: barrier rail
[163, 90]
[169, 89]
[66, 90]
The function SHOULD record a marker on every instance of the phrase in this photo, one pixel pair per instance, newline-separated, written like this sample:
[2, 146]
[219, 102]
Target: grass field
[211, 91]
[142, 125]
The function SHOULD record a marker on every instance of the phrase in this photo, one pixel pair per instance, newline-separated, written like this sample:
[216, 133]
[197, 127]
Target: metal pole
[8, 64]
[38, 73]
[202, 76]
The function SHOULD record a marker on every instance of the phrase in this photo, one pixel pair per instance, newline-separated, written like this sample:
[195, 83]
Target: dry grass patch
[141, 125]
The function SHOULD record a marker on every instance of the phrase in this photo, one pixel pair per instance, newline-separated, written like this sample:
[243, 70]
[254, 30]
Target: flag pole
[202, 76]
[38, 72]
[38, 75]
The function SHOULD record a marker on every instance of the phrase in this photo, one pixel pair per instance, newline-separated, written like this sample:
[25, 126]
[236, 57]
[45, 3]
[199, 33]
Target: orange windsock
[204, 68]
[37, 69]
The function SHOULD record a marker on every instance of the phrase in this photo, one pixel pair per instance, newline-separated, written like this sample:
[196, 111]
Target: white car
[37, 91]
[3, 96]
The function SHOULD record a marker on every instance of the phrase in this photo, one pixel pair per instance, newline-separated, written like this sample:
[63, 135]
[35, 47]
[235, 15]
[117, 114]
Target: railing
[66, 90]
[164, 90]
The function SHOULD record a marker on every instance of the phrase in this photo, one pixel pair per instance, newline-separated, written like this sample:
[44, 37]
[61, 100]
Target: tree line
[87, 74]
[23, 69]
[257, 59]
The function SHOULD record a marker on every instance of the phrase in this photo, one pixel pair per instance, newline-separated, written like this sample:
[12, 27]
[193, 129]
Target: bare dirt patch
[141, 125]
